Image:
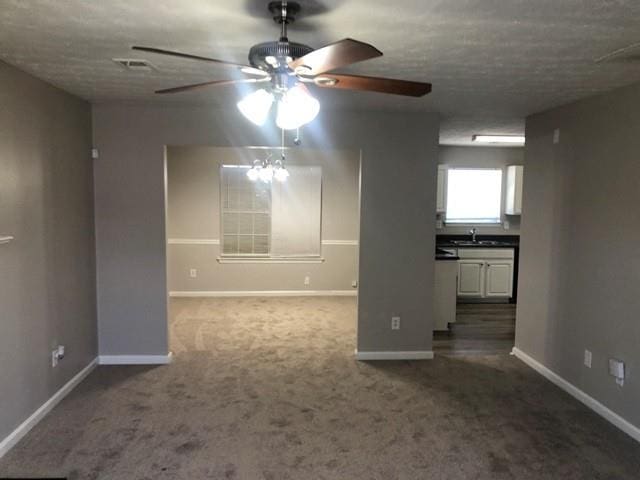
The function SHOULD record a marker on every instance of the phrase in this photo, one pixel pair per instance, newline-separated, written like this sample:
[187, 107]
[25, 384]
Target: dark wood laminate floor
[479, 328]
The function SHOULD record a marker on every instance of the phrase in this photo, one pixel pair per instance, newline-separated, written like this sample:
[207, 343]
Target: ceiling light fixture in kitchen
[507, 139]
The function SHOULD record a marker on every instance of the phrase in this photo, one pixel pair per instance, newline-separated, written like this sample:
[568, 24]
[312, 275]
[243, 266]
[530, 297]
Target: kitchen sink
[470, 243]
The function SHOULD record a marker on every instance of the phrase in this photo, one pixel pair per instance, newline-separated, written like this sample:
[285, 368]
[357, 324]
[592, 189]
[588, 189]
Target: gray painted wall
[484, 157]
[580, 262]
[47, 276]
[399, 155]
[193, 212]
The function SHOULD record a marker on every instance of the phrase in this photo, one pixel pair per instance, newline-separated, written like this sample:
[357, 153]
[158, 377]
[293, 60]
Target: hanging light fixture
[266, 171]
[254, 172]
[296, 108]
[256, 106]
[280, 172]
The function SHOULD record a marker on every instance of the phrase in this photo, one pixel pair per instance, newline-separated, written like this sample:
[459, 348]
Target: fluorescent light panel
[519, 139]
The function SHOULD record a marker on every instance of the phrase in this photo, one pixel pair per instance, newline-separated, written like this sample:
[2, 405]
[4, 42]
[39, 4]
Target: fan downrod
[284, 11]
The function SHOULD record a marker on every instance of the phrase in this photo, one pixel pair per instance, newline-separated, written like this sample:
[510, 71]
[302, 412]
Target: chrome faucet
[473, 233]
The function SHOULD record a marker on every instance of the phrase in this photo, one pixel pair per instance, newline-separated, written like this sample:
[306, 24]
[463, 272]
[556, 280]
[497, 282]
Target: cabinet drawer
[485, 253]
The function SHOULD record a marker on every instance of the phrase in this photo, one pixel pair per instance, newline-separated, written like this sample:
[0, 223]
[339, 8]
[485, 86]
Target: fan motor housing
[278, 49]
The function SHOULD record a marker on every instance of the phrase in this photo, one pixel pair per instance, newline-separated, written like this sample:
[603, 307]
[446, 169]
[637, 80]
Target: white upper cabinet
[513, 204]
[441, 189]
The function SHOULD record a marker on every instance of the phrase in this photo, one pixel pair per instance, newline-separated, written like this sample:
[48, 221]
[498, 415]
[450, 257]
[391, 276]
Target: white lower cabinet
[484, 273]
[499, 275]
[470, 278]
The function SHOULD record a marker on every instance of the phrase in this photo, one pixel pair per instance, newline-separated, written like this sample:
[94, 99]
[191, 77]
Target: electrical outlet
[506, 225]
[307, 280]
[193, 273]
[556, 135]
[587, 358]
[395, 323]
[354, 283]
[57, 354]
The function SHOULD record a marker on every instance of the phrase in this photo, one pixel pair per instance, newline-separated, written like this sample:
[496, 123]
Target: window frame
[266, 257]
[476, 222]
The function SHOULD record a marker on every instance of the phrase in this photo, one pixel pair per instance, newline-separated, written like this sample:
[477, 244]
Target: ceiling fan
[286, 68]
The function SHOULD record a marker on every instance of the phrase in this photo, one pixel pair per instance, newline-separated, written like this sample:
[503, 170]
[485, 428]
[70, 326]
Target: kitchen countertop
[443, 255]
[482, 241]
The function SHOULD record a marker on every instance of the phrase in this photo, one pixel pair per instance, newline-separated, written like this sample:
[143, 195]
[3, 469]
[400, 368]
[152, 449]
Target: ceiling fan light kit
[289, 66]
[256, 106]
[296, 108]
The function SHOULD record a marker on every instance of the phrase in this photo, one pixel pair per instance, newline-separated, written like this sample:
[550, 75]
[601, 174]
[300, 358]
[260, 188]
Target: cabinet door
[513, 204]
[499, 281]
[441, 189]
[470, 278]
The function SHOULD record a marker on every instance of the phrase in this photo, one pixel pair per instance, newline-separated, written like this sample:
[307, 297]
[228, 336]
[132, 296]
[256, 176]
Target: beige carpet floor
[269, 389]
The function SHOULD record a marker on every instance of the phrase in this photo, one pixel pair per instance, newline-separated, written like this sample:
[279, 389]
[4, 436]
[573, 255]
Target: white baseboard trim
[135, 359]
[410, 355]
[14, 437]
[268, 293]
[575, 392]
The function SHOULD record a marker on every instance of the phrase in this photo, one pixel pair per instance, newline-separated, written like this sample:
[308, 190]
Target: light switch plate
[556, 135]
[587, 358]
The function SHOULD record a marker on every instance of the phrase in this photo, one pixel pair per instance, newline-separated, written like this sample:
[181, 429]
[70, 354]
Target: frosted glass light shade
[253, 173]
[266, 174]
[256, 106]
[281, 174]
[296, 108]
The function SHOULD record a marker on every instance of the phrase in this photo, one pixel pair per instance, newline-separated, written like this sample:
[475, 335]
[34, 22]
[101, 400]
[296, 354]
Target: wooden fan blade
[335, 55]
[196, 86]
[374, 84]
[189, 56]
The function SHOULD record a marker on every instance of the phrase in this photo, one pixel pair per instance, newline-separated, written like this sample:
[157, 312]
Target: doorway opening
[261, 261]
[479, 206]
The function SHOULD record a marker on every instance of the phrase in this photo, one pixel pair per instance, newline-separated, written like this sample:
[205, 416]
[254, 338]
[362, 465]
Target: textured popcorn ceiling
[491, 62]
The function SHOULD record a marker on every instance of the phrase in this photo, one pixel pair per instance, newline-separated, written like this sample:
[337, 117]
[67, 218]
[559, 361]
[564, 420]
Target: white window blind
[277, 219]
[295, 213]
[473, 195]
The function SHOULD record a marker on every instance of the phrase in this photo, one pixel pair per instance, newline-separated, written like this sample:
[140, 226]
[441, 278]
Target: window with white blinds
[277, 219]
[246, 213]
